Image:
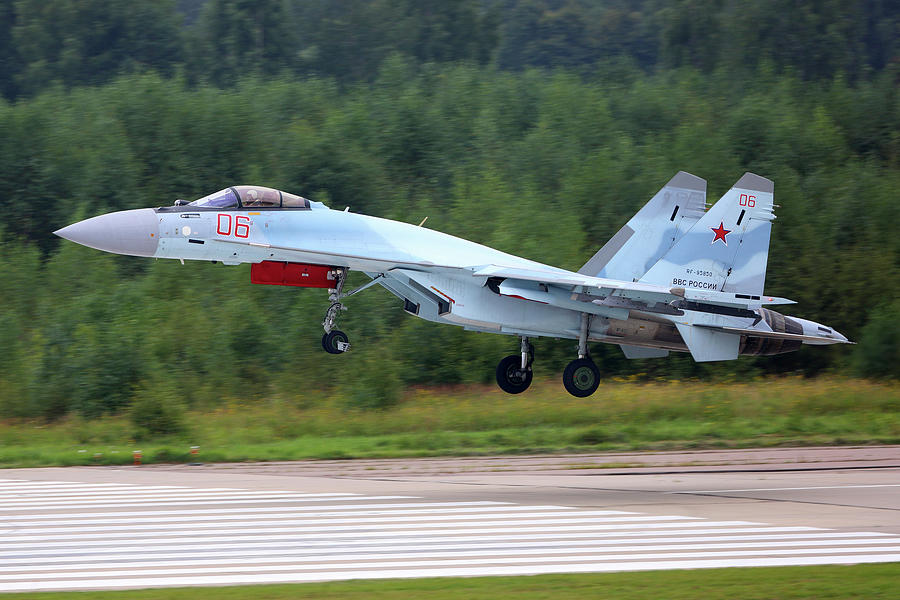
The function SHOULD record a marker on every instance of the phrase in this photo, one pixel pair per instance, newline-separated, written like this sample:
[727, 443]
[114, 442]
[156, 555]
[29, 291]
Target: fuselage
[683, 289]
[318, 235]
[432, 272]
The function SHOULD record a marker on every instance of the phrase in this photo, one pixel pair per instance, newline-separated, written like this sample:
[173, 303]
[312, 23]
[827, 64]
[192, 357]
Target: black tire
[510, 376]
[581, 377]
[330, 341]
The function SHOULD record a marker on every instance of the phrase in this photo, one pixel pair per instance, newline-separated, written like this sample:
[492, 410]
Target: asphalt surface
[176, 525]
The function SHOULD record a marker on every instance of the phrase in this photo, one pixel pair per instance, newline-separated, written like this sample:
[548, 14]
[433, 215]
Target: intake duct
[759, 346]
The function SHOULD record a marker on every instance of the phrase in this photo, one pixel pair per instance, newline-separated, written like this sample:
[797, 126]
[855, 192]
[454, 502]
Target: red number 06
[747, 200]
[241, 225]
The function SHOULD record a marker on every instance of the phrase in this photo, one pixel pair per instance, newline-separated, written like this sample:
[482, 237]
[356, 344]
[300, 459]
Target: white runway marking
[109, 502]
[425, 563]
[246, 537]
[287, 522]
[240, 512]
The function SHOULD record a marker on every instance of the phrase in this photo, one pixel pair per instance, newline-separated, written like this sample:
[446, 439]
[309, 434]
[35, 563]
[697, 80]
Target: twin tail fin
[727, 249]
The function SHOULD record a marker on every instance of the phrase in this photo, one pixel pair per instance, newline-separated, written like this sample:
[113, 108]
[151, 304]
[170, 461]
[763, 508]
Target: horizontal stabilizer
[707, 344]
[775, 335]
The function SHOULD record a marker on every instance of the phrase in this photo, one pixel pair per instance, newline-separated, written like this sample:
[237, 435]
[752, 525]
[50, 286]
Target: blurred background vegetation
[534, 126]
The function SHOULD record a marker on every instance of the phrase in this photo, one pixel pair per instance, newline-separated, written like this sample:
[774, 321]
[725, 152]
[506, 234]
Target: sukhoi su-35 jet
[676, 277]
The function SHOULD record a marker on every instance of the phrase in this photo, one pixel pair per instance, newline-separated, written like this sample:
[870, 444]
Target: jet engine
[759, 346]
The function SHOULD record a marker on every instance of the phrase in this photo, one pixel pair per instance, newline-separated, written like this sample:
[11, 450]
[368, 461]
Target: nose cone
[132, 232]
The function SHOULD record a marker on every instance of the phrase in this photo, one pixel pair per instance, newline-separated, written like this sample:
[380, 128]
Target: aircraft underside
[455, 301]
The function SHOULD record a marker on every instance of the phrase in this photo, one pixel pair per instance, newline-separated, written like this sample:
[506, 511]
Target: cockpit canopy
[251, 196]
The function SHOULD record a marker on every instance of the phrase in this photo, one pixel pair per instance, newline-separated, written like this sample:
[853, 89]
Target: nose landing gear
[514, 372]
[335, 341]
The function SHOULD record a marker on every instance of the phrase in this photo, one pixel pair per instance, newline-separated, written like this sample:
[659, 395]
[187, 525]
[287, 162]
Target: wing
[611, 297]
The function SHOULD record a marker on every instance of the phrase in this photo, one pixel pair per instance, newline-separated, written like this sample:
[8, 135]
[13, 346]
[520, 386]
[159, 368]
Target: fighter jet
[677, 277]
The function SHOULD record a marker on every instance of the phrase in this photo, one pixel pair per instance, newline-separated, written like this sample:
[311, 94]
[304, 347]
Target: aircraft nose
[132, 232]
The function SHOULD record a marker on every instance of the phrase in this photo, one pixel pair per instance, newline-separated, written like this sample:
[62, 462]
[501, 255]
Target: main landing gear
[514, 372]
[582, 376]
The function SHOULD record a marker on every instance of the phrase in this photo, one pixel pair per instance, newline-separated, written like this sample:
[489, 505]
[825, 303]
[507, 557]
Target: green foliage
[157, 410]
[398, 114]
[234, 38]
[468, 420]
[86, 42]
[44, 43]
[878, 353]
[372, 380]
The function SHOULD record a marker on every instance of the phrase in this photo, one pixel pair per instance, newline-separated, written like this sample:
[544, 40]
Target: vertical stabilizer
[652, 231]
[728, 248]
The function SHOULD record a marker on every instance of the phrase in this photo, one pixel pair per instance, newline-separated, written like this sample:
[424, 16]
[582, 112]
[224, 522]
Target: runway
[156, 526]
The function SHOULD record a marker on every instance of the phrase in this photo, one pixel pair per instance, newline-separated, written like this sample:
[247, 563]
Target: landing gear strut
[514, 372]
[335, 341]
[582, 376]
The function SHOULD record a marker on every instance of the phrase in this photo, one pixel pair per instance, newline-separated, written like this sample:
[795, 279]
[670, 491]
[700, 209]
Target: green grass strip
[482, 420]
[869, 581]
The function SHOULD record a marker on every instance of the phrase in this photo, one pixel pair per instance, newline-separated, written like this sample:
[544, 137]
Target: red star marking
[720, 232]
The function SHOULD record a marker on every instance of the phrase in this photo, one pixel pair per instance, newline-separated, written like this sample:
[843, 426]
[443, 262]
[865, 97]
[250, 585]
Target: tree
[88, 42]
[9, 56]
[237, 38]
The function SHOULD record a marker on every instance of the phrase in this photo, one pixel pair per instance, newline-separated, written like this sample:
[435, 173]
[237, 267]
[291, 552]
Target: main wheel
[335, 342]
[510, 376]
[581, 377]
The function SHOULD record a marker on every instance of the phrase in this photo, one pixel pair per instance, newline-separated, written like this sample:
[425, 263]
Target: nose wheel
[335, 342]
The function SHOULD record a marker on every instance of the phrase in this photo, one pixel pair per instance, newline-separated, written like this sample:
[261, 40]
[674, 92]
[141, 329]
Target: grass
[478, 420]
[870, 581]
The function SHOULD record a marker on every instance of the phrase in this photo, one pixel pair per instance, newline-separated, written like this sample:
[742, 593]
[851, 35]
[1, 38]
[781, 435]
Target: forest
[534, 126]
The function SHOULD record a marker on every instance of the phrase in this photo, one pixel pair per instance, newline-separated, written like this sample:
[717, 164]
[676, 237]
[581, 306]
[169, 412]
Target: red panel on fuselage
[271, 272]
